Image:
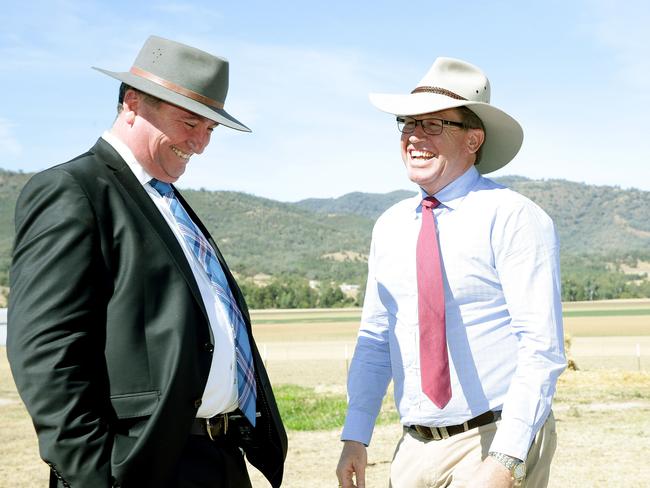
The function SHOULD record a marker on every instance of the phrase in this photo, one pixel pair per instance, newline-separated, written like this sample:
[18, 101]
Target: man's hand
[491, 474]
[354, 458]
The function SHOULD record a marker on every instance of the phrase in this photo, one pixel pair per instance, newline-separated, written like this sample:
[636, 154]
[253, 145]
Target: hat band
[176, 88]
[438, 91]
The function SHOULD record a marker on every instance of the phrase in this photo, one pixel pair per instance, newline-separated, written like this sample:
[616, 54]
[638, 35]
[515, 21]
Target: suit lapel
[132, 190]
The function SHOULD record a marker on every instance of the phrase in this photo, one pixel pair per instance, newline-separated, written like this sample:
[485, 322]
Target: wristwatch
[516, 466]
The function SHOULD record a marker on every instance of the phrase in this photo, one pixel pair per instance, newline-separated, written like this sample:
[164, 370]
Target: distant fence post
[347, 363]
[638, 355]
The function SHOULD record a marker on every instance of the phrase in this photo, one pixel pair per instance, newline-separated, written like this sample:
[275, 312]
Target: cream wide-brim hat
[452, 83]
[183, 76]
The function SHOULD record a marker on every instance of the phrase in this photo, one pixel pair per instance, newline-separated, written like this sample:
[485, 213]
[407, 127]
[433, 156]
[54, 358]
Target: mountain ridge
[328, 239]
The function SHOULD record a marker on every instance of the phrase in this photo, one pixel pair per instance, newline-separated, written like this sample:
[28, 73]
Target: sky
[575, 74]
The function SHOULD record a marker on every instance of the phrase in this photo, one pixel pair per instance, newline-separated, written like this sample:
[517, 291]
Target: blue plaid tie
[205, 255]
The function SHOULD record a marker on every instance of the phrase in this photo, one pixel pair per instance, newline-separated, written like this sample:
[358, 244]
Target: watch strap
[515, 465]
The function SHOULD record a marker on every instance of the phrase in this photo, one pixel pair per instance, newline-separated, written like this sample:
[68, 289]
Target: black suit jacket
[108, 338]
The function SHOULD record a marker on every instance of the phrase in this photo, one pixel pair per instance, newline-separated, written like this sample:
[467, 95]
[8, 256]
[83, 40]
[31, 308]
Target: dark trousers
[210, 464]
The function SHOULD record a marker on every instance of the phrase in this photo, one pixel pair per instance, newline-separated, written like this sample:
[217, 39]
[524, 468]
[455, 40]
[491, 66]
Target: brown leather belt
[438, 433]
[214, 427]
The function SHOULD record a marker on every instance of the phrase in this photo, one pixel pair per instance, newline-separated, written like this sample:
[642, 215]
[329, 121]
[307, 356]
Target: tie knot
[161, 187]
[430, 202]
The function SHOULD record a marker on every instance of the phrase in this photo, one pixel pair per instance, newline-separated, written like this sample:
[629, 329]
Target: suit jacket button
[197, 403]
[208, 347]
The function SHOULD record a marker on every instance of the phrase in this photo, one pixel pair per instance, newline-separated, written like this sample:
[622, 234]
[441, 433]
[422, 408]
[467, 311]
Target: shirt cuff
[513, 437]
[358, 427]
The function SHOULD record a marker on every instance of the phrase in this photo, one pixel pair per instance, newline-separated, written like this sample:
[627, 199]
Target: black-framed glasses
[432, 126]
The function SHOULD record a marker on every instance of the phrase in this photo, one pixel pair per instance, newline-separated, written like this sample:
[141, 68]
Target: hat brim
[503, 134]
[218, 115]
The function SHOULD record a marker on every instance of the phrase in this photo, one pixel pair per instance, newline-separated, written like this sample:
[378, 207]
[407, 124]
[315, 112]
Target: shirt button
[197, 403]
[208, 347]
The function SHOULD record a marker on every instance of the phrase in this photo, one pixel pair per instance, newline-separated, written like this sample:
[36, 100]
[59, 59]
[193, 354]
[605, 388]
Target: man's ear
[131, 105]
[475, 138]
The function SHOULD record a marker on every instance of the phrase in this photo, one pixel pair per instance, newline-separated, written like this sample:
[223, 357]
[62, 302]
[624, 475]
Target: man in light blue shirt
[499, 256]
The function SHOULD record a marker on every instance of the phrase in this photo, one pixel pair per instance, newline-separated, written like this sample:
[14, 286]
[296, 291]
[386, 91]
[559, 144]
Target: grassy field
[600, 409]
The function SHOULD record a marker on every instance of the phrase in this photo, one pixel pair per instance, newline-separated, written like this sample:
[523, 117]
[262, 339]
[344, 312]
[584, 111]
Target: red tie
[434, 364]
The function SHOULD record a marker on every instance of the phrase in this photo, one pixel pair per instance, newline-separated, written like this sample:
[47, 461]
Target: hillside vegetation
[10, 186]
[603, 230]
[590, 219]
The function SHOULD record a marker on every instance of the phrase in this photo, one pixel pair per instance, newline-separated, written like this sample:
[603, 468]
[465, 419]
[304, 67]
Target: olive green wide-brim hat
[183, 76]
[452, 83]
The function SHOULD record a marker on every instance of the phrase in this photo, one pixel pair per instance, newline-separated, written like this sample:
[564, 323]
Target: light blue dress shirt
[501, 273]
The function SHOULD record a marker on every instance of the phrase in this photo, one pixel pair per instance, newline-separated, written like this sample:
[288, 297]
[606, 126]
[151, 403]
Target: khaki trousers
[451, 462]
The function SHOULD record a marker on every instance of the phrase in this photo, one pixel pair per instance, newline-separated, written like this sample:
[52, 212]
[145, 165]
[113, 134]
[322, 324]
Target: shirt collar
[126, 154]
[453, 194]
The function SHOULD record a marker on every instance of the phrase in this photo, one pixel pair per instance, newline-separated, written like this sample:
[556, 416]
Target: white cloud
[9, 145]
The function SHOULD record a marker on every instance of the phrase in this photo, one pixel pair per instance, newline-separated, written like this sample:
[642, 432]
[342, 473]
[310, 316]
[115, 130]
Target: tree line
[293, 292]
[601, 276]
[584, 278]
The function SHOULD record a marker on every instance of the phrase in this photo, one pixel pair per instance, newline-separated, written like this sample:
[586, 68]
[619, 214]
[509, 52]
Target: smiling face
[433, 162]
[163, 137]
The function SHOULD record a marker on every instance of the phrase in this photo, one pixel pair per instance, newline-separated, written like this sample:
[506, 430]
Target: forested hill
[256, 235]
[328, 239]
[370, 205]
[590, 219]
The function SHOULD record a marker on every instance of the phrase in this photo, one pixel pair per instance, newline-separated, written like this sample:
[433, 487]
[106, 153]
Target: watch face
[519, 471]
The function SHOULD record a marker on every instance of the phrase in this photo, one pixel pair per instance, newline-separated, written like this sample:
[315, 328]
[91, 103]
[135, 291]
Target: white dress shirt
[500, 260]
[220, 394]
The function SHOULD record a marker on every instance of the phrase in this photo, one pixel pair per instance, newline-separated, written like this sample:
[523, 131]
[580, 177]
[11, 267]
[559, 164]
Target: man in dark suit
[128, 338]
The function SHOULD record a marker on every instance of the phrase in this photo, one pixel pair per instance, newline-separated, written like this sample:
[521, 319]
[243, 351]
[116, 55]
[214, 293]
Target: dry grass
[603, 408]
[635, 325]
[587, 439]
[619, 304]
[578, 389]
[610, 352]
[640, 268]
[20, 465]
